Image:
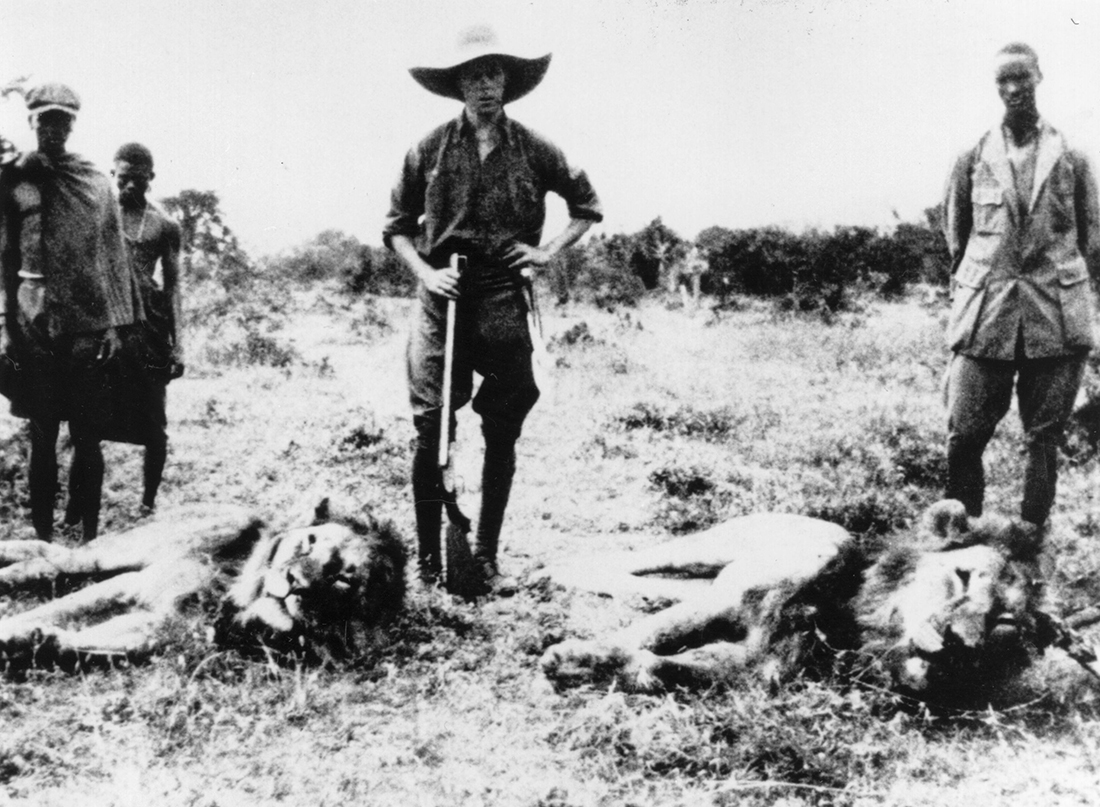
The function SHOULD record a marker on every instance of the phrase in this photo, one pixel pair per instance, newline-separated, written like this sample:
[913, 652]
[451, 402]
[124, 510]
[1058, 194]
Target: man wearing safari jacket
[1020, 219]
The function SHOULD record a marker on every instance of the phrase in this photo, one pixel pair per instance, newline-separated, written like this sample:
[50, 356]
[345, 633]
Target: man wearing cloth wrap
[67, 289]
[476, 186]
[1020, 219]
[152, 238]
[151, 355]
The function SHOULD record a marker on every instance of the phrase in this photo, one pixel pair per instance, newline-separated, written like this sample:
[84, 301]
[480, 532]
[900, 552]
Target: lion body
[339, 575]
[793, 595]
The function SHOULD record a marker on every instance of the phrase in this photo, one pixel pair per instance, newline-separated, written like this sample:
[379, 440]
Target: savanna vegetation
[658, 421]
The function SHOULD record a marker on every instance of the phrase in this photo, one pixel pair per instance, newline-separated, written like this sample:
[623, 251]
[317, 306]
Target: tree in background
[210, 250]
[656, 248]
[814, 270]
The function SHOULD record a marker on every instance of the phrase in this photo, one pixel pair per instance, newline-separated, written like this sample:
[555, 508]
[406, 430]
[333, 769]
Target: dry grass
[657, 422]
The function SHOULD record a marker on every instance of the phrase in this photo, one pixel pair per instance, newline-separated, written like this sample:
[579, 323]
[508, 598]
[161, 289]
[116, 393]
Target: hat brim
[521, 76]
[38, 110]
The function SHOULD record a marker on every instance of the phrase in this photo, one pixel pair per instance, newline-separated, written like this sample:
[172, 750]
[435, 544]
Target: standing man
[151, 354]
[67, 290]
[476, 187]
[152, 237]
[1021, 217]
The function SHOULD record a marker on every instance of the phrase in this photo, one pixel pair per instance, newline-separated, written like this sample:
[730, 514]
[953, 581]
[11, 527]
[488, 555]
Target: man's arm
[525, 256]
[441, 282]
[8, 257]
[572, 185]
[403, 226]
[957, 212]
[170, 271]
[1086, 205]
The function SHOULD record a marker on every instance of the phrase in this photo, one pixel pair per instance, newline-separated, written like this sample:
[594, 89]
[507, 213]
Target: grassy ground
[657, 422]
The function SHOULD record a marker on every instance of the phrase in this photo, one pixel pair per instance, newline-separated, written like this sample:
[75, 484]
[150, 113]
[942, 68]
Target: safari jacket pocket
[989, 210]
[966, 304]
[1075, 296]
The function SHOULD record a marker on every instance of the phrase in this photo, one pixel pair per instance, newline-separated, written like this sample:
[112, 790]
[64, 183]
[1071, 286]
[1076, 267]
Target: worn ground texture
[657, 423]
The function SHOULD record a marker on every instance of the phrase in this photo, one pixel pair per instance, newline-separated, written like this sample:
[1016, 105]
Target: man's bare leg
[156, 455]
[43, 475]
[88, 466]
[73, 508]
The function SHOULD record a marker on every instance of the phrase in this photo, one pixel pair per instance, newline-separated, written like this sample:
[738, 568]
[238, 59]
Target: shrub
[691, 500]
[334, 255]
[253, 349]
[371, 321]
[606, 277]
[920, 458]
[578, 334]
[14, 454]
[245, 336]
[874, 512]
[817, 270]
[565, 270]
[713, 425]
[380, 272]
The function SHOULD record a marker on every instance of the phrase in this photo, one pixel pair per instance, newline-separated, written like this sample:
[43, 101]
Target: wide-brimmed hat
[521, 75]
[45, 97]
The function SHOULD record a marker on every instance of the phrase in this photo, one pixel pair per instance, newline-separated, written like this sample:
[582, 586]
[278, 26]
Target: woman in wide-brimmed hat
[476, 187]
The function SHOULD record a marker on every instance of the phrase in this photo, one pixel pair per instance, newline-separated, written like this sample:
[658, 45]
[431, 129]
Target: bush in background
[818, 270]
[359, 268]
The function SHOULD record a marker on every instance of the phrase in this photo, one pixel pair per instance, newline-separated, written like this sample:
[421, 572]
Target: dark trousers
[492, 340]
[979, 394]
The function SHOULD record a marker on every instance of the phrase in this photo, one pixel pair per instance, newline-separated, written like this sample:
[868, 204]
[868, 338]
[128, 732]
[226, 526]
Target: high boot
[427, 497]
[496, 487]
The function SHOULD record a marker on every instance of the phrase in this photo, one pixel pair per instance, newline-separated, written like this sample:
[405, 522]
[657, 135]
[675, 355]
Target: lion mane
[325, 590]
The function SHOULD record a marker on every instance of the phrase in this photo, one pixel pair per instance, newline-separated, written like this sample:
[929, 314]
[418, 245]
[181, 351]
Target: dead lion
[324, 584]
[947, 615]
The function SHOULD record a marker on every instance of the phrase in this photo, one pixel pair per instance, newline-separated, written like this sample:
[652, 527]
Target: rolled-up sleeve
[406, 200]
[572, 185]
[957, 212]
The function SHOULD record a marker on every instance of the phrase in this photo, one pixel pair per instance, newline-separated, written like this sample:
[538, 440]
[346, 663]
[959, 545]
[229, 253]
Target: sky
[739, 113]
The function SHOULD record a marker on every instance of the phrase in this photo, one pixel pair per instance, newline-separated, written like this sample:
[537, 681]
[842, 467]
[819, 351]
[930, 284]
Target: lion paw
[639, 675]
[575, 662]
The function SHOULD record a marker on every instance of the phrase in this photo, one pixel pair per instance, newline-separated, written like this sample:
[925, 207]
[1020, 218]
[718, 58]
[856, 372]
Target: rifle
[1056, 632]
[459, 575]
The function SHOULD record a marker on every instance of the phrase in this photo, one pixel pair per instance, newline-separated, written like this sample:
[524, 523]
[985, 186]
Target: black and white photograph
[544, 403]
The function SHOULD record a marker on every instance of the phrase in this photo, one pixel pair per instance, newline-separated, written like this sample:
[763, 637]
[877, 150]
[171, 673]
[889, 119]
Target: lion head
[326, 587]
[955, 619]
